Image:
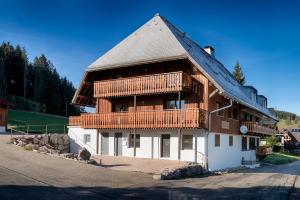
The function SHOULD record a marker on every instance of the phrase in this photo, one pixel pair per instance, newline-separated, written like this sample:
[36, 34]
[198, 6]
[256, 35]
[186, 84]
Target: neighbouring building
[4, 105]
[290, 137]
[159, 95]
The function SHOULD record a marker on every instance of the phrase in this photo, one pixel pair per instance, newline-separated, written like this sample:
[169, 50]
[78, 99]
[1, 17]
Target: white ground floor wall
[2, 129]
[223, 156]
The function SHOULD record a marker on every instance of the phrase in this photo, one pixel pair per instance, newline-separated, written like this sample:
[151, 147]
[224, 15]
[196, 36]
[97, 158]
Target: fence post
[46, 129]
[27, 129]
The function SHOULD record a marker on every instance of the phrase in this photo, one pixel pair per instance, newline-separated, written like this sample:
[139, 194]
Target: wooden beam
[88, 83]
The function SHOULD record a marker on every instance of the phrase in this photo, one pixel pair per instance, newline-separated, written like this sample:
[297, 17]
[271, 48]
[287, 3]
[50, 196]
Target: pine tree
[238, 74]
[2, 80]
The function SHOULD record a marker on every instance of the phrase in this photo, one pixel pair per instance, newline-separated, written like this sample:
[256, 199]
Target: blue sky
[264, 36]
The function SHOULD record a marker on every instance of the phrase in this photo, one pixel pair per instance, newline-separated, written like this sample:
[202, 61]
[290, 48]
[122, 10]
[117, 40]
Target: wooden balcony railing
[75, 120]
[143, 85]
[253, 127]
[192, 118]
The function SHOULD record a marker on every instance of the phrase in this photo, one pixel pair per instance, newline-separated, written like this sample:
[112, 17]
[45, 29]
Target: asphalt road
[29, 175]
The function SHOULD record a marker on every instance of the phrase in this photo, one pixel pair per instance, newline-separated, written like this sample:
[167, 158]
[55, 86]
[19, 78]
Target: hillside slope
[283, 123]
[37, 122]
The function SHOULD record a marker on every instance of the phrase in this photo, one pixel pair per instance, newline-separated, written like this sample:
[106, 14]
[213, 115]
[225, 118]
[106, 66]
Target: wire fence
[40, 129]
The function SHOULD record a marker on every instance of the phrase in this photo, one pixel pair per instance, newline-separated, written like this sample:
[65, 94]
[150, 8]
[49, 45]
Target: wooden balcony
[75, 120]
[192, 118]
[253, 127]
[222, 124]
[143, 85]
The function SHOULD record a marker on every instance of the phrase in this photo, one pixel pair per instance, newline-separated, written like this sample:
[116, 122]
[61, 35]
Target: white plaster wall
[221, 157]
[2, 129]
[76, 135]
[150, 144]
[227, 156]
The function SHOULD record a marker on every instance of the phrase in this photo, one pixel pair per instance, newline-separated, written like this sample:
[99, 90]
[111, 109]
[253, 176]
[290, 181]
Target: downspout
[209, 126]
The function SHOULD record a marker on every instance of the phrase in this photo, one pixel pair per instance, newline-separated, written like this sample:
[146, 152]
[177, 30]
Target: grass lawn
[37, 121]
[280, 158]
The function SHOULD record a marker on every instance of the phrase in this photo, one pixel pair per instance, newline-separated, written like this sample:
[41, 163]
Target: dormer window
[265, 104]
[253, 96]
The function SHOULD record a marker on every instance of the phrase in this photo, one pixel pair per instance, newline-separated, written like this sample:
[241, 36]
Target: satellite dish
[244, 129]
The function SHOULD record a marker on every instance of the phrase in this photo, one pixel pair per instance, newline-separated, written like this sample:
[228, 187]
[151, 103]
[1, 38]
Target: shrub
[277, 148]
[271, 141]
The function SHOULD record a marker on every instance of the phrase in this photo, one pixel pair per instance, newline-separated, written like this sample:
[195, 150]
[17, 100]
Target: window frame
[230, 142]
[190, 143]
[178, 106]
[252, 143]
[257, 141]
[230, 113]
[123, 105]
[217, 140]
[235, 113]
[220, 112]
[86, 138]
[243, 147]
[137, 140]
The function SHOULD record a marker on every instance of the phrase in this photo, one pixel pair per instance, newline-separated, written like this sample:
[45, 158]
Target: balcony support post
[180, 121]
[134, 130]
[97, 142]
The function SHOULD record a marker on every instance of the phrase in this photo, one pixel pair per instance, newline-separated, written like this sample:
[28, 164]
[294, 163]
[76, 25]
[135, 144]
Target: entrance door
[104, 143]
[165, 145]
[118, 144]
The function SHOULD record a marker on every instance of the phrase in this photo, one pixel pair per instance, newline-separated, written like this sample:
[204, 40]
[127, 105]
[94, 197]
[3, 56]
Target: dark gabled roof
[159, 40]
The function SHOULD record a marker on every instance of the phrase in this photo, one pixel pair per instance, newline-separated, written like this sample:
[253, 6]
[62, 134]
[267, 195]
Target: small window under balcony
[175, 104]
[120, 107]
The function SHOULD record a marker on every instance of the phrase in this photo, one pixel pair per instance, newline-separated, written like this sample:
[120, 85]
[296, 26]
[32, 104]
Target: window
[230, 140]
[175, 104]
[187, 142]
[120, 107]
[257, 142]
[244, 143]
[131, 140]
[86, 138]
[219, 105]
[251, 143]
[229, 113]
[235, 113]
[217, 140]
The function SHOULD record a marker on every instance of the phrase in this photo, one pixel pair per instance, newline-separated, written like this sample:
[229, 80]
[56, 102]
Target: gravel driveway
[29, 175]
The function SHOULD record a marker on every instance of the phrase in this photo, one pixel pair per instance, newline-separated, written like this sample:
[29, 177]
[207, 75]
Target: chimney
[210, 50]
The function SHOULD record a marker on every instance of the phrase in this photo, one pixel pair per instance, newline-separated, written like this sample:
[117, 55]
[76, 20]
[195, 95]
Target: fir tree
[238, 74]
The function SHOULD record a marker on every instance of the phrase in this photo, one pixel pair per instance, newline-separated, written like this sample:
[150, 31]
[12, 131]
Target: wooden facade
[138, 97]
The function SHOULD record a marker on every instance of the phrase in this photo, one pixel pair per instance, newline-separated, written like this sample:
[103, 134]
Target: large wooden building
[159, 95]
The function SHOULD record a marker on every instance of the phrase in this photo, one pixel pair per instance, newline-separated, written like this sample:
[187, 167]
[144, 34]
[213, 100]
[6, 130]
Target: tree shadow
[112, 165]
[30, 192]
